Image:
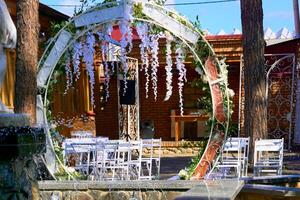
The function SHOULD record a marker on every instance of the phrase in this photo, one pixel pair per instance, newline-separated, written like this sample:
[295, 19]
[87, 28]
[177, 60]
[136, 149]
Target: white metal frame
[185, 32]
[268, 156]
[148, 160]
[80, 149]
[234, 156]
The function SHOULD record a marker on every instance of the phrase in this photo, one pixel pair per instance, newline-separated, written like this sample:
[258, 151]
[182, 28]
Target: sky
[216, 16]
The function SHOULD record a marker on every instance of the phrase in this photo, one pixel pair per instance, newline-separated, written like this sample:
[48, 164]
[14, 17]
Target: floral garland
[126, 39]
[88, 56]
[182, 75]
[69, 75]
[168, 67]
[154, 62]
[123, 57]
[104, 49]
[77, 54]
[142, 30]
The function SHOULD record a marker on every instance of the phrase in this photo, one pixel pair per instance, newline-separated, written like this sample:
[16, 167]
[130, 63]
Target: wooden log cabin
[46, 16]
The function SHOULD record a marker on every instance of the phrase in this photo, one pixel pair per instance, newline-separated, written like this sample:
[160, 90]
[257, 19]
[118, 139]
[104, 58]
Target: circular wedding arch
[166, 19]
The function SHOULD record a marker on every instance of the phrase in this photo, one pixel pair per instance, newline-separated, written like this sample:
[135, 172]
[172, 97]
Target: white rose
[70, 169]
[231, 92]
[183, 174]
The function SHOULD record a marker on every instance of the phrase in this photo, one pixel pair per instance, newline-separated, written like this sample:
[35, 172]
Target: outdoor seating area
[234, 160]
[103, 159]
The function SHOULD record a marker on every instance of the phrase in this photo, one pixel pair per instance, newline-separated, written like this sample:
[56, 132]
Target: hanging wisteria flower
[109, 29]
[69, 75]
[168, 67]
[126, 38]
[110, 49]
[182, 75]
[154, 62]
[129, 38]
[123, 52]
[104, 49]
[88, 57]
[142, 30]
[77, 54]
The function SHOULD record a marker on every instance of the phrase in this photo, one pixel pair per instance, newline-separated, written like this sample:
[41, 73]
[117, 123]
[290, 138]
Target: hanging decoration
[77, 54]
[69, 75]
[123, 52]
[88, 57]
[142, 30]
[126, 40]
[105, 51]
[154, 62]
[168, 67]
[182, 75]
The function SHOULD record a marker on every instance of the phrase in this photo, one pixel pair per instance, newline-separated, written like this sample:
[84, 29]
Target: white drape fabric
[8, 39]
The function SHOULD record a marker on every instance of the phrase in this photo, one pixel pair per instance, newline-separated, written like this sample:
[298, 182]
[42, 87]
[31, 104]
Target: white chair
[77, 153]
[236, 153]
[148, 160]
[268, 156]
[110, 163]
[156, 143]
[233, 161]
[134, 160]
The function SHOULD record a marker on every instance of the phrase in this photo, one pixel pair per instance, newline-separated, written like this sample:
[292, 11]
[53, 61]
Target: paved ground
[170, 166]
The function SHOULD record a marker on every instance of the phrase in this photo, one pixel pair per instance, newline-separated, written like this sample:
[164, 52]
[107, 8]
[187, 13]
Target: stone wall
[109, 195]
[119, 190]
[164, 190]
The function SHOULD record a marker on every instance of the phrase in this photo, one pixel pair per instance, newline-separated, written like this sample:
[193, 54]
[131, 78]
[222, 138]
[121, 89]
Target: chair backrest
[237, 144]
[236, 148]
[269, 145]
[269, 151]
[124, 151]
[78, 145]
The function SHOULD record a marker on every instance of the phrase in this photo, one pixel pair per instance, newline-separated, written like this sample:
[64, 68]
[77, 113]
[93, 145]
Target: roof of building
[269, 34]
